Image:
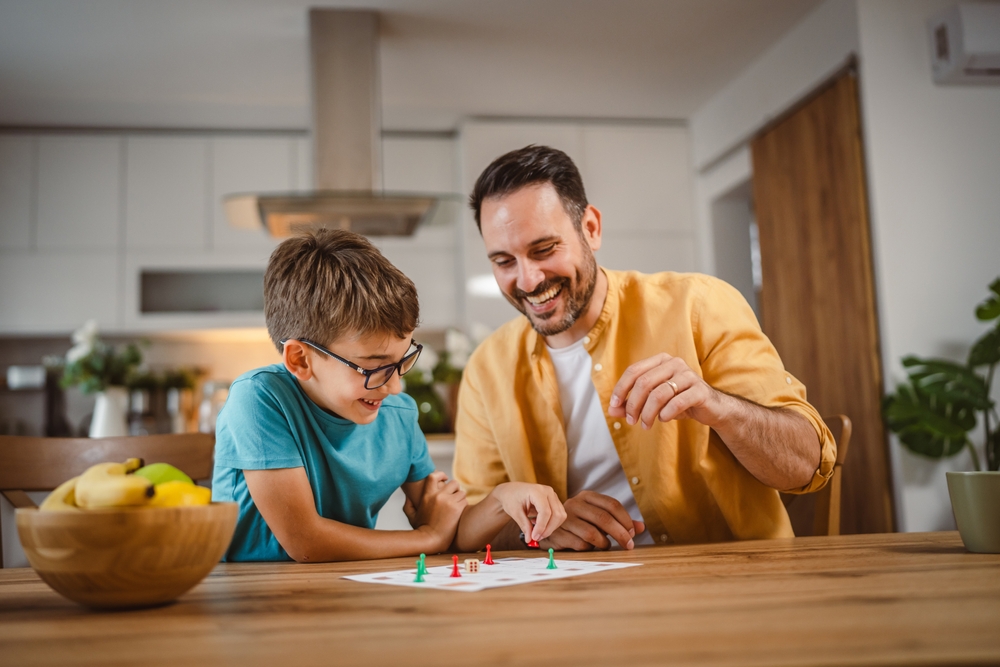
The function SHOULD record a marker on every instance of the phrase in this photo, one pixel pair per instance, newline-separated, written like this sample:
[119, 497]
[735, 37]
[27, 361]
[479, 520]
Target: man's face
[544, 266]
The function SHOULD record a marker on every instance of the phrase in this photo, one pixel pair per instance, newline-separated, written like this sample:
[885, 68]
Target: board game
[503, 572]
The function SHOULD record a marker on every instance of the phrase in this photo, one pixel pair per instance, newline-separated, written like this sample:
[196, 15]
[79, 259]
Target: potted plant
[935, 411]
[97, 367]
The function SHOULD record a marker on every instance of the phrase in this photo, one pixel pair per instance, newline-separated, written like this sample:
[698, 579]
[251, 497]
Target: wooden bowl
[127, 557]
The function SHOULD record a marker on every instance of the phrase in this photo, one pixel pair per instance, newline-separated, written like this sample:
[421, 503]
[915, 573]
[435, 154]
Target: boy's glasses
[375, 377]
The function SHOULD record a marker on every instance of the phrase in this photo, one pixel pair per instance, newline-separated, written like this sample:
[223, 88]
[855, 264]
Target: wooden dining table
[903, 598]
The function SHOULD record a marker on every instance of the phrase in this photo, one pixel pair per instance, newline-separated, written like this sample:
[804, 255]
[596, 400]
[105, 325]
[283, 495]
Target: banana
[62, 499]
[108, 485]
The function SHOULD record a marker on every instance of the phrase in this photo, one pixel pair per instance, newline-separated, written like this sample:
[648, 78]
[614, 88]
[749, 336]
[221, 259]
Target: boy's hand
[441, 506]
[534, 507]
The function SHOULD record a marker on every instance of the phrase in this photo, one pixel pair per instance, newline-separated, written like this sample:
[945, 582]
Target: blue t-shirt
[268, 422]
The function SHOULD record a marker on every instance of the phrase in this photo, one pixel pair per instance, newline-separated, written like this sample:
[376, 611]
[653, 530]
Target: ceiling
[243, 63]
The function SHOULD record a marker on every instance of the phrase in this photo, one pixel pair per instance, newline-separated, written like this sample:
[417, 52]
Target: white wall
[808, 54]
[933, 155]
[813, 50]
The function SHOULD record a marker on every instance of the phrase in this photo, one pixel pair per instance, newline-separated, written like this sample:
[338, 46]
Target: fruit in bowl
[111, 538]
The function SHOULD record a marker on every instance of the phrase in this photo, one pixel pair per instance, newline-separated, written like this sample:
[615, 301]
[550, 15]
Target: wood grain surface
[882, 599]
[817, 299]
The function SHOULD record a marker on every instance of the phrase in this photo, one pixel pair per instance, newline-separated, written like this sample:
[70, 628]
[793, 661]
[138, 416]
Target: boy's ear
[297, 360]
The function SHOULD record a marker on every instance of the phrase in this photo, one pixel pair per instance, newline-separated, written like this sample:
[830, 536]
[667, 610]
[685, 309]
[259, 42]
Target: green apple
[158, 473]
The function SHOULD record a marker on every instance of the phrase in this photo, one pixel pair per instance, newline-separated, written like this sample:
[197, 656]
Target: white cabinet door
[79, 192]
[639, 177]
[429, 257]
[16, 173]
[247, 165]
[304, 162]
[166, 205]
[56, 292]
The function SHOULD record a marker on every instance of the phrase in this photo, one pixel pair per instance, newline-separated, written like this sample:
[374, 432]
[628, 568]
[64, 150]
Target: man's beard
[576, 300]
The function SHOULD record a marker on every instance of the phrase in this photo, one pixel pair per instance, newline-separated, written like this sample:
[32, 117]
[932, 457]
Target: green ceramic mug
[975, 500]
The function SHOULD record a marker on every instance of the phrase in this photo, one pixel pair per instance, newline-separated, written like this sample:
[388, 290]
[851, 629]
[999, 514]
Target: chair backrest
[826, 505]
[42, 464]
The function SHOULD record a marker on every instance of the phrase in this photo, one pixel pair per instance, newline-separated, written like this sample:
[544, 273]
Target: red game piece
[532, 544]
[454, 570]
[489, 557]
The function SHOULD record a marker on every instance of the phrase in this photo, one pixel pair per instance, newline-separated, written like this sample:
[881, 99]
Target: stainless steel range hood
[346, 130]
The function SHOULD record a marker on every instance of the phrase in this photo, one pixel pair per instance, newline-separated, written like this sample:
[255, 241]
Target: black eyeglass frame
[398, 366]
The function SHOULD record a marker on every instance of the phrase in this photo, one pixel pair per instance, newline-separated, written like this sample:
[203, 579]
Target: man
[652, 404]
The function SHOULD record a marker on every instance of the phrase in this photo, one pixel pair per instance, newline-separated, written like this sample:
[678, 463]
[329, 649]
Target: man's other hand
[590, 519]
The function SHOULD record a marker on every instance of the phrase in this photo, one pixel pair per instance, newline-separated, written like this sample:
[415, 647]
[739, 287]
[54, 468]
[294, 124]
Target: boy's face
[340, 389]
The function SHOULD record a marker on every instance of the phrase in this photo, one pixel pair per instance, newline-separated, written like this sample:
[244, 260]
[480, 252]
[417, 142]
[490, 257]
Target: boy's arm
[510, 508]
[285, 501]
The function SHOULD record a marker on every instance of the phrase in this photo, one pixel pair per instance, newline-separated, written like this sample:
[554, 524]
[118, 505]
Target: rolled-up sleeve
[738, 358]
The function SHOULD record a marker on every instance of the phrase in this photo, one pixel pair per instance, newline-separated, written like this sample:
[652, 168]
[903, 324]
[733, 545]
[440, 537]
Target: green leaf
[926, 424]
[990, 309]
[986, 350]
[948, 382]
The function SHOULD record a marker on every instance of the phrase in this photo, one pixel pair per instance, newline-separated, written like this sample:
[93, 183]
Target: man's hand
[590, 518]
[665, 387]
[534, 507]
[778, 447]
[441, 506]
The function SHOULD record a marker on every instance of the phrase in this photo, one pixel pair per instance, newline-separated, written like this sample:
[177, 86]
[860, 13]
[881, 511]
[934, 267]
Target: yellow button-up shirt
[687, 484]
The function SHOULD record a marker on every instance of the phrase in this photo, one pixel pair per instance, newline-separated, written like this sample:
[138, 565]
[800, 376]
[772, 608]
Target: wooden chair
[42, 464]
[826, 502]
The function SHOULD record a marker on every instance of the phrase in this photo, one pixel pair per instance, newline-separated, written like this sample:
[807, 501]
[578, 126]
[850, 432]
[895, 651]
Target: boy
[312, 448]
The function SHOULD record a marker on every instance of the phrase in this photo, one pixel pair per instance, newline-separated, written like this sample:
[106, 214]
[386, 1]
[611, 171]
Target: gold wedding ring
[673, 386]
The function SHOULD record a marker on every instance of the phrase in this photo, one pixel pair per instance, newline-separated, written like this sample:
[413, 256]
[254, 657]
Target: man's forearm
[779, 447]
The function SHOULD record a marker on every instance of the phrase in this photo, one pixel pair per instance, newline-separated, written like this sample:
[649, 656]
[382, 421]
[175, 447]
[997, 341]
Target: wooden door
[818, 297]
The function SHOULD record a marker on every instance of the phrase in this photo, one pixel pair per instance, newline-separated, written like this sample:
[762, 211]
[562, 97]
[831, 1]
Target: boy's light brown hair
[331, 283]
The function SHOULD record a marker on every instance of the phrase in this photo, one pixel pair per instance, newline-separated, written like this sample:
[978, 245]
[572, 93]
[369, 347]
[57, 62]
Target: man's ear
[590, 227]
[297, 360]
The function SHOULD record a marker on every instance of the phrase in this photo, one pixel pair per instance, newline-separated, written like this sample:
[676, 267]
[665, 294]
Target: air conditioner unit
[965, 43]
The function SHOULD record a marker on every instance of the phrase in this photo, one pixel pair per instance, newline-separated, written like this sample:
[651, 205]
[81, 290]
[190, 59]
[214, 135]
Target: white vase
[110, 413]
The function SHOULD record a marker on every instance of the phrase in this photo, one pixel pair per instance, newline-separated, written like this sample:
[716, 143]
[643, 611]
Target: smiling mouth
[545, 296]
[371, 404]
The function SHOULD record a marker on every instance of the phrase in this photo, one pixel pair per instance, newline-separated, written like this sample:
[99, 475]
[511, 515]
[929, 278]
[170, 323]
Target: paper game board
[505, 572]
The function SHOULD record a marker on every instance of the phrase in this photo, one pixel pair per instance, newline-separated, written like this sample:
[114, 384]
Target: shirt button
[635, 480]
[598, 367]
[664, 538]
[788, 380]
[586, 340]
[618, 425]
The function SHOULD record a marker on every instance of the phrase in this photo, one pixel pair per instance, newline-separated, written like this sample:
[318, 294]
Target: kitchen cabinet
[17, 167]
[429, 257]
[54, 292]
[79, 192]
[243, 164]
[167, 200]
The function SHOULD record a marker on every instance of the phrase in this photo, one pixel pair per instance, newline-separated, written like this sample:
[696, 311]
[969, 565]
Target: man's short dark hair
[531, 165]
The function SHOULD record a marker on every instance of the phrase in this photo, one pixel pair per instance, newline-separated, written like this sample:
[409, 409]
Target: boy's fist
[441, 506]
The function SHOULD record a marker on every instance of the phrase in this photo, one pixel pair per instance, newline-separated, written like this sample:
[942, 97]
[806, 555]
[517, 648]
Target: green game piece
[552, 562]
[422, 566]
[420, 573]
